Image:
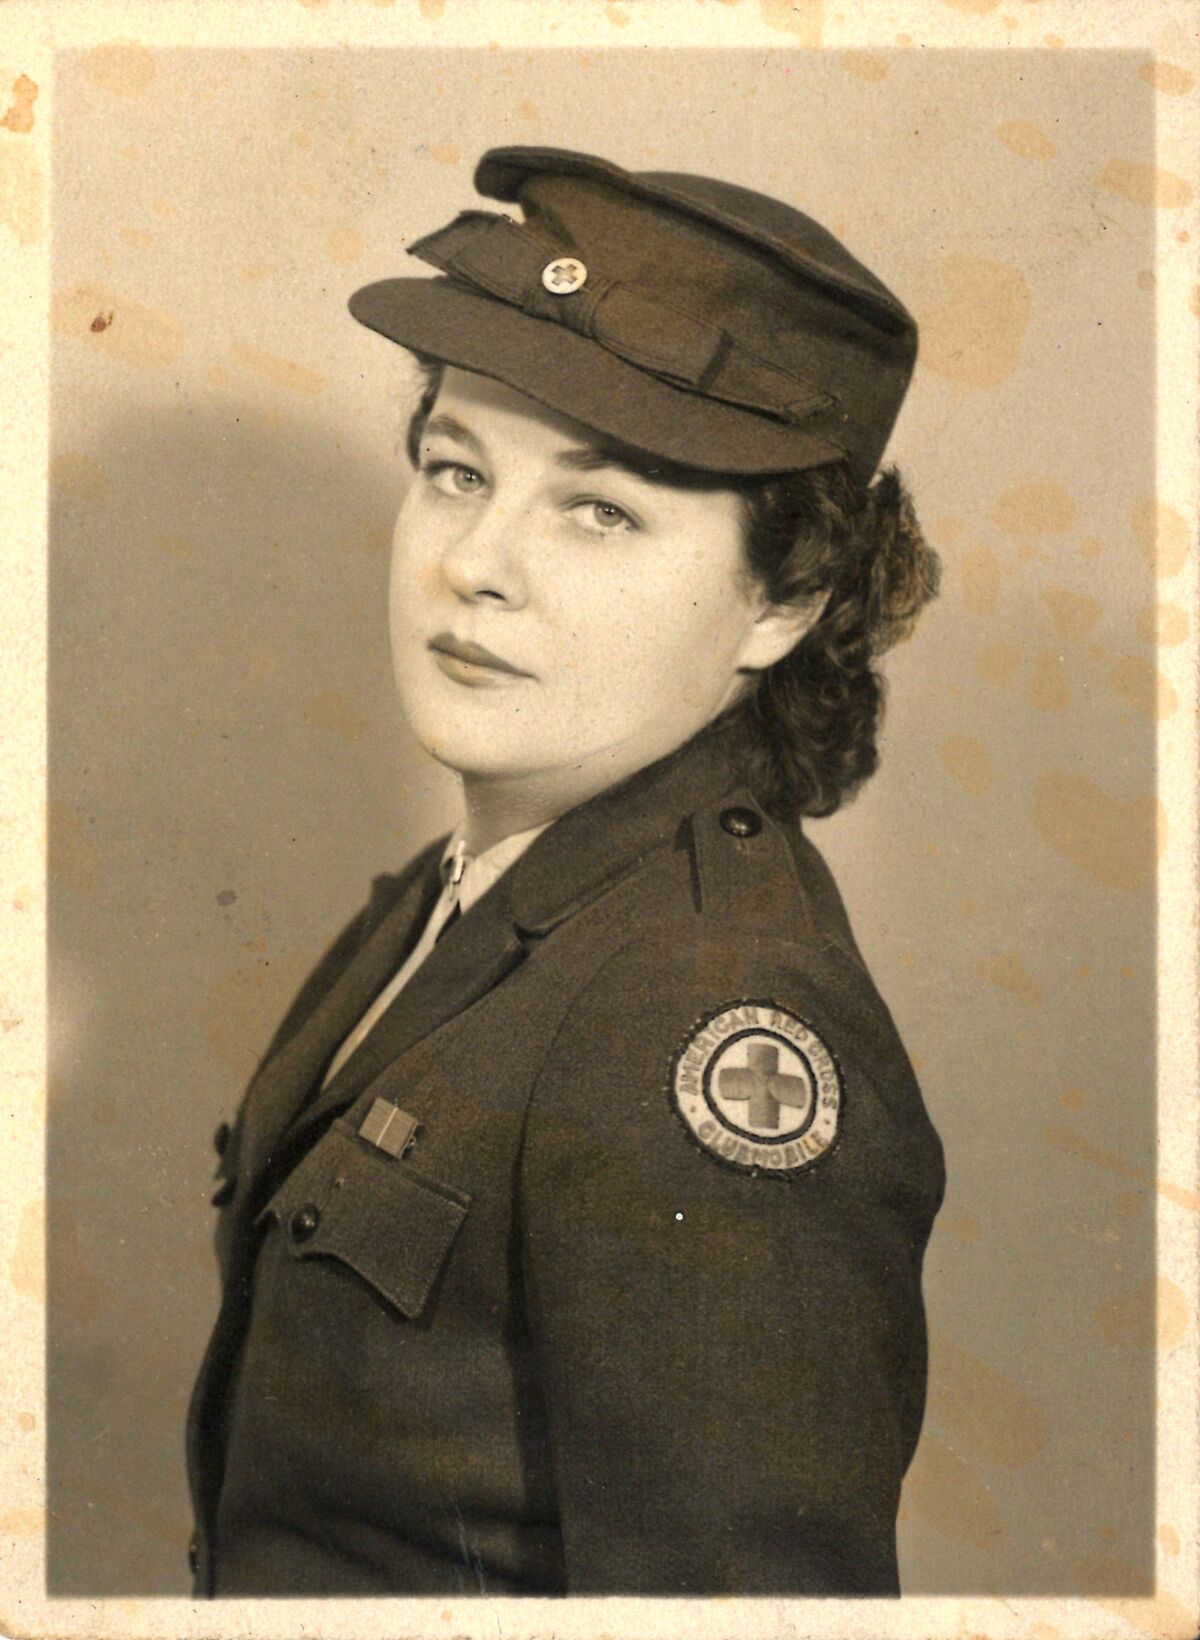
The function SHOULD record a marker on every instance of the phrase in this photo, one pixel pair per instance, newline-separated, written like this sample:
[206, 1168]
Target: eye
[452, 477]
[603, 517]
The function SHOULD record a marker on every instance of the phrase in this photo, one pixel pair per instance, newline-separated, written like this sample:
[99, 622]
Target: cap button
[304, 1221]
[739, 822]
[564, 275]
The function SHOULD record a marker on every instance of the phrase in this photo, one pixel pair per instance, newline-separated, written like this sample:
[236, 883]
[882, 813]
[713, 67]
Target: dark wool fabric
[558, 1347]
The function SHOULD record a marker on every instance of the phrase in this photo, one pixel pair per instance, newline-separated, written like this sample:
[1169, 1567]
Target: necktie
[453, 874]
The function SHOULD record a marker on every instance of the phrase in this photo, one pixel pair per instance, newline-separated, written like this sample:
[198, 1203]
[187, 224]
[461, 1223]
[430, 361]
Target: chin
[474, 748]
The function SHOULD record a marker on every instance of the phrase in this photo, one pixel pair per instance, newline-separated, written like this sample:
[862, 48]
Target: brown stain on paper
[802, 18]
[1025, 139]
[1144, 184]
[19, 117]
[333, 711]
[863, 65]
[123, 68]
[1154, 1314]
[980, 571]
[27, 1269]
[1007, 972]
[1168, 1537]
[946, 1493]
[998, 664]
[78, 1290]
[22, 194]
[22, 1523]
[133, 334]
[175, 546]
[71, 855]
[1048, 690]
[1143, 687]
[1175, 81]
[1039, 507]
[343, 244]
[78, 475]
[1161, 533]
[1115, 842]
[973, 320]
[988, 1414]
[967, 761]
[1111, 1161]
[279, 372]
[1164, 624]
[1120, 1588]
[1074, 614]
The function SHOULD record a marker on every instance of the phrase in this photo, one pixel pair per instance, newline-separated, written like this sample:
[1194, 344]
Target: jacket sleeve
[733, 1362]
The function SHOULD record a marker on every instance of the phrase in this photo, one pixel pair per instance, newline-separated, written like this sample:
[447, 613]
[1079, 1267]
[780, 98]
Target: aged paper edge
[30, 32]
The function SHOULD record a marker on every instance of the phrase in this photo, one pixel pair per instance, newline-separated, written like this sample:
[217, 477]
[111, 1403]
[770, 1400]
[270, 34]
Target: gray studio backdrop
[227, 771]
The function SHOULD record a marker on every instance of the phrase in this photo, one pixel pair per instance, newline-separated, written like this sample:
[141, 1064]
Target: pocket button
[304, 1221]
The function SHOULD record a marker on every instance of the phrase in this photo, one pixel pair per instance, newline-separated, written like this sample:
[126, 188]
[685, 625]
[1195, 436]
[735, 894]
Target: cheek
[414, 576]
[649, 645]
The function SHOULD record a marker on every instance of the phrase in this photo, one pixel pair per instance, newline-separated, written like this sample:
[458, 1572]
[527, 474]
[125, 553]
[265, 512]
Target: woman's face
[554, 618]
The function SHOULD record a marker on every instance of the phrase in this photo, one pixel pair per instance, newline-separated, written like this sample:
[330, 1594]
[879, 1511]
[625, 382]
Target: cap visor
[577, 377]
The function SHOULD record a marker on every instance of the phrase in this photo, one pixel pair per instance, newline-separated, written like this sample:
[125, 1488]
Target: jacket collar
[596, 844]
[575, 859]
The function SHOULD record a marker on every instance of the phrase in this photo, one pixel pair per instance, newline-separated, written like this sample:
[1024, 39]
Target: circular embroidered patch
[758, 1088]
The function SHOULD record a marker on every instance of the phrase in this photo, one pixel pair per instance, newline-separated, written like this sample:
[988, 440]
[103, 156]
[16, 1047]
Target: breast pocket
[351, 1202]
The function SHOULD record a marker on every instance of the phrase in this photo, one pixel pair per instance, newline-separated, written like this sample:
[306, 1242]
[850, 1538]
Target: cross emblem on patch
[757, 1088]
[762, 1085]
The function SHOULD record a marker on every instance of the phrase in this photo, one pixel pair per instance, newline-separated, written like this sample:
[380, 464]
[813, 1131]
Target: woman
[572, 1225]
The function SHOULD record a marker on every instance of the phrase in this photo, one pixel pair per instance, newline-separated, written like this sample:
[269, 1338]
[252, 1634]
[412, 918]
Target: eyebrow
[451, 427]
[581, 458]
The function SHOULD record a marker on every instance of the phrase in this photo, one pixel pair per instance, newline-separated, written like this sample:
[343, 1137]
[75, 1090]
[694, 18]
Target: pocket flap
[348, 1200]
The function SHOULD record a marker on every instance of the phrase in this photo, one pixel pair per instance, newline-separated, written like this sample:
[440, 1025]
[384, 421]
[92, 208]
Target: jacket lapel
[288, 1075]
[470, 959]
[570, 863]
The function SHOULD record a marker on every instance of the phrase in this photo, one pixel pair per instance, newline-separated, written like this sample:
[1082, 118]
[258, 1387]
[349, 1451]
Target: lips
[474, 654]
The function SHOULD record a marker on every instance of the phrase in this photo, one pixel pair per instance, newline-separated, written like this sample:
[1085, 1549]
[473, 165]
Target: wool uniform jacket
[638, 1309]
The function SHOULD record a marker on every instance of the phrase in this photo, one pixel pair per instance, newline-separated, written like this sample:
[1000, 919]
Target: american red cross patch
[758, 1088]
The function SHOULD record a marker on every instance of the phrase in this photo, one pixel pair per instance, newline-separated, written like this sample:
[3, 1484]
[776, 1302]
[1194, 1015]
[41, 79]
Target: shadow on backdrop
[218, 744]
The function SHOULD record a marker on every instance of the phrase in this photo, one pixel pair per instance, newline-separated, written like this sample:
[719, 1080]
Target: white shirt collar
[480, 871]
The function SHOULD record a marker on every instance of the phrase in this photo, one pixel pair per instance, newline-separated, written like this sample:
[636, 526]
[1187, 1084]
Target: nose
[485, 561]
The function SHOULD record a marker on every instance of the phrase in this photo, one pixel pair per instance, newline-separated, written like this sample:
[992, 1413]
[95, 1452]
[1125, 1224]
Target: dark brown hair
[812, 719]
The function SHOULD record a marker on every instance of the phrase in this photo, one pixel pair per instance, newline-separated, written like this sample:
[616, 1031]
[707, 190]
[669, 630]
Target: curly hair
[811, 721]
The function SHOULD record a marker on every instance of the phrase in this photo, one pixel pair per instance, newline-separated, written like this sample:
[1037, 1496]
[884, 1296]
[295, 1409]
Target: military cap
[689, 318]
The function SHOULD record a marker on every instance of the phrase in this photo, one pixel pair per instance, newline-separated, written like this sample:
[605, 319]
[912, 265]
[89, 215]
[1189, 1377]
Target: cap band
[496, 255]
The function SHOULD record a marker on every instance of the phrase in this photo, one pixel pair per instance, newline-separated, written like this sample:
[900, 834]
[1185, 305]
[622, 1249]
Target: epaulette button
[739, 822]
